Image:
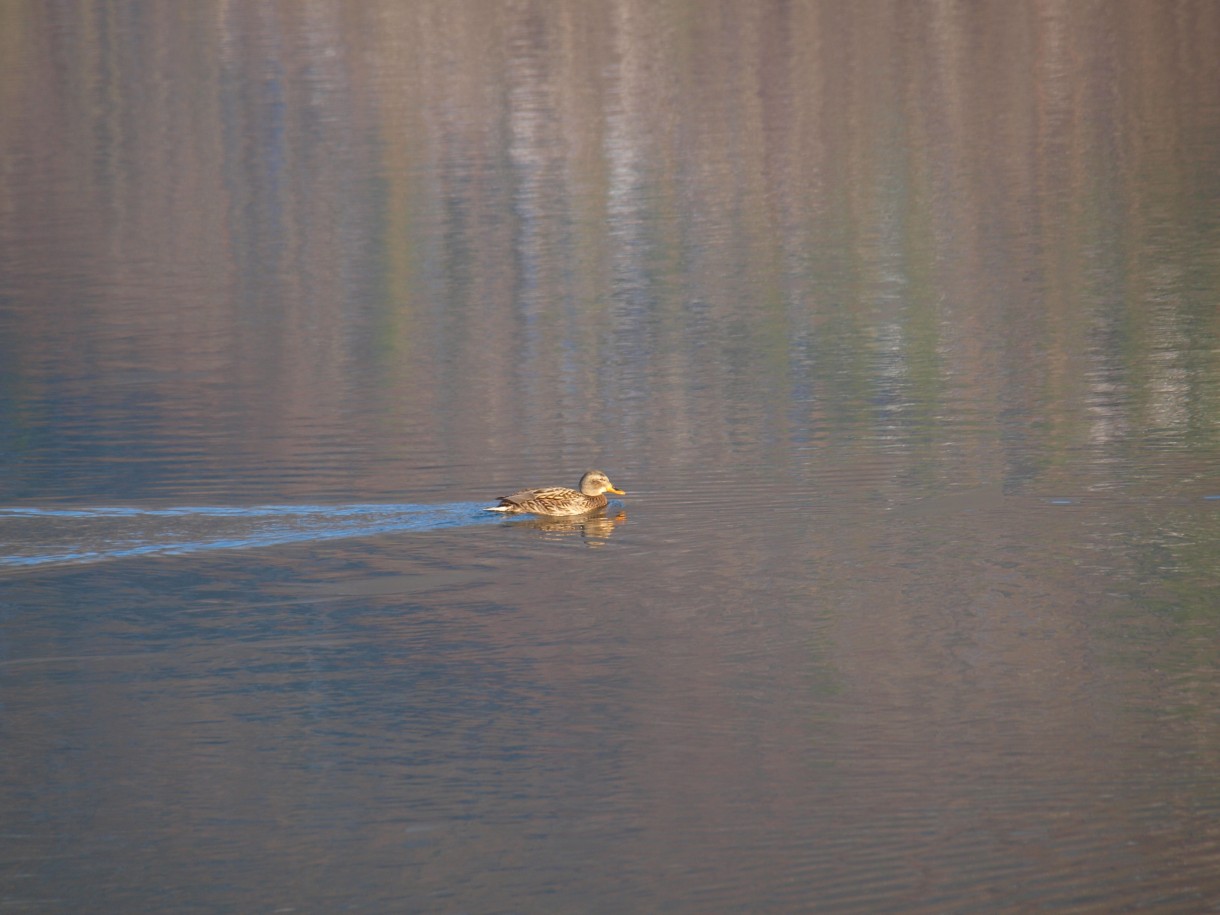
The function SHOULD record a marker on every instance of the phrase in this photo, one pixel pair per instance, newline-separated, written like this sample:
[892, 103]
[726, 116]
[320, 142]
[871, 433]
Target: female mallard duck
[559, 500]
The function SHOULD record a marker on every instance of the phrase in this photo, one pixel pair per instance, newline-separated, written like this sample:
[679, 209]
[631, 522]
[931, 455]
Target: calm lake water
[899, 323]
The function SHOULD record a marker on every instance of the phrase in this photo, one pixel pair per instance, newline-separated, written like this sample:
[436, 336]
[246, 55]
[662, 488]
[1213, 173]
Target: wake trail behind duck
[32, 537]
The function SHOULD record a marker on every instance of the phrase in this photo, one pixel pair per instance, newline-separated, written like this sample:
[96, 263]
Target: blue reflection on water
[46, 536]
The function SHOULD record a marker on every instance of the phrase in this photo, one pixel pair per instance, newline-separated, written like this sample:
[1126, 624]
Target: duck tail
[498, 508]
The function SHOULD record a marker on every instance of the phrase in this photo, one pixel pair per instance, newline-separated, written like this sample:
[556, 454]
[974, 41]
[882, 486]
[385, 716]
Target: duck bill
[617, 492]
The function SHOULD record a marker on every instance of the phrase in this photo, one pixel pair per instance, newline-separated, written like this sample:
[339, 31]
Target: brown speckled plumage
[557, 501]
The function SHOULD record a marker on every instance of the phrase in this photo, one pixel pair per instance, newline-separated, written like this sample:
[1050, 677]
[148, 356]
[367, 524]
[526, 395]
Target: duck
[559, 501]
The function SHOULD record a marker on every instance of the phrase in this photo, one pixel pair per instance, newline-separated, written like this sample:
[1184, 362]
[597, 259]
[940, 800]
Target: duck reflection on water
[595, 528]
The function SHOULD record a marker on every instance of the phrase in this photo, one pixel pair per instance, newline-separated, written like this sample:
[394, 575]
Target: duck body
[559, 501]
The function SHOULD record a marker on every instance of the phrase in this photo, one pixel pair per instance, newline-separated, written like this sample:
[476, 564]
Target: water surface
[897, 322]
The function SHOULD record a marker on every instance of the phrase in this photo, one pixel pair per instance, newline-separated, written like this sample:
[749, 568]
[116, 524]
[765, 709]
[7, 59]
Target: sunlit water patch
[39, 537]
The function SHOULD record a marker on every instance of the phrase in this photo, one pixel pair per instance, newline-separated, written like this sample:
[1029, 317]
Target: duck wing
[551, 494]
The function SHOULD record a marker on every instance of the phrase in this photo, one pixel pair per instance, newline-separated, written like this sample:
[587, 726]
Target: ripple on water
[36, 537]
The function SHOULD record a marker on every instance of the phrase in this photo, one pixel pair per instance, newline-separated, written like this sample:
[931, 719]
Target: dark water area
[899, 323]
